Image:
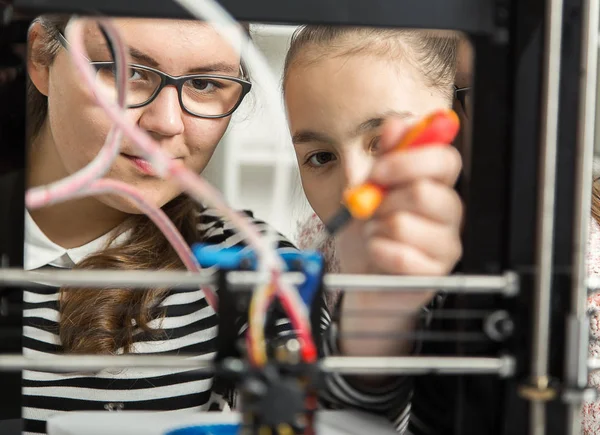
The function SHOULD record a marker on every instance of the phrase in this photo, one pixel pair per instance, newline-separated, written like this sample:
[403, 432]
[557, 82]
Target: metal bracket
[512, 284]
[579, 396]
[541, 389]
[499, 325]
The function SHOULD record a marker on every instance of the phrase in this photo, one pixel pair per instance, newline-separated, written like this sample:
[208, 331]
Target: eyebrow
[142, 57]
[306, 136]
[378, 120]
[218, 67]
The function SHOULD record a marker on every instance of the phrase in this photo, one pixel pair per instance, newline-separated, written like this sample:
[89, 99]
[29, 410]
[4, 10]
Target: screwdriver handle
[440, 127]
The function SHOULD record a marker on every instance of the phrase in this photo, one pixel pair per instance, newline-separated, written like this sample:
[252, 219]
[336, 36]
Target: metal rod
[593, 363]
[90, 363]
[546, 201]
[418, 365]
[593, 283]
[348, 365]
[538, 418]
[576, 370]
[106, 278]
[585, 152]
[131, 279]
[506, 284]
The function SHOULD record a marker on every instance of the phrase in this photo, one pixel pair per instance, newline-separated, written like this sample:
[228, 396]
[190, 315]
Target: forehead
[170, 42]
[335, 94]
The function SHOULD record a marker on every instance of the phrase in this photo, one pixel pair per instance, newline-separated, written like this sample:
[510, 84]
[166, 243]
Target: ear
[37, 63]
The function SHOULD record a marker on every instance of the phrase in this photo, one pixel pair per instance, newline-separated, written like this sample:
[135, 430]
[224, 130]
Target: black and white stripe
[190, 328]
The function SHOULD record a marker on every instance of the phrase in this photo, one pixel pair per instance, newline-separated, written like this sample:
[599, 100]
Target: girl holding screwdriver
[351, 95]
[415, 231]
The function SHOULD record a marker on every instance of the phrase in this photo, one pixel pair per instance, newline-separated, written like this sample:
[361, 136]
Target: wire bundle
[88, 181]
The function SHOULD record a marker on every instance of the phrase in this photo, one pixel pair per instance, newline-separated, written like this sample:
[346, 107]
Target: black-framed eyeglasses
[200, 95]
[462, 95]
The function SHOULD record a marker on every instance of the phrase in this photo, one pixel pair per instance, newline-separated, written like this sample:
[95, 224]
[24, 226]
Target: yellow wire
[258, 306]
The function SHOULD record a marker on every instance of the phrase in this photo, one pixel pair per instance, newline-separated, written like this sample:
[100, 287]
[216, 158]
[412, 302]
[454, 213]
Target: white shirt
[40, 251]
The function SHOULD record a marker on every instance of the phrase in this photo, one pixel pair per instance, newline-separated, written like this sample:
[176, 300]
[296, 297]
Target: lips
[141, 164]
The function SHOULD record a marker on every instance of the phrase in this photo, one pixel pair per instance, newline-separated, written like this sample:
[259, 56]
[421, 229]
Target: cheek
[202, 137]
[323, 192]
[78, 127]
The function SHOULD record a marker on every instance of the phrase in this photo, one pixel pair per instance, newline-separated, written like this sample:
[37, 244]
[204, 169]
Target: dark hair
[37, 103]
[596, 199]
[432, 52]
[104, 321]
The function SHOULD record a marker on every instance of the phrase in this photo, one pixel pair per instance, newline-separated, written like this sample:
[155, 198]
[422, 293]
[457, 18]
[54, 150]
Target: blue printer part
[224, 258]
[241, 257]
[209, 429]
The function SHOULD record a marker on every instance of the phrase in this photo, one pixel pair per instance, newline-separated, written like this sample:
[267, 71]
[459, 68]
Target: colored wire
[296, 310]
[63, 189]
[211, 11]
[160, 219]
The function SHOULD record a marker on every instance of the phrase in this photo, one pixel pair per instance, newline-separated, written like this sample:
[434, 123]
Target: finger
[439, 242]
[439, 162]
[399, 259]
[392, 131]
[431, 200]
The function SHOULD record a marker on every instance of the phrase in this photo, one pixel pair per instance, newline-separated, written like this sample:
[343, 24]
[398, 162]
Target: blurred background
[255, 165]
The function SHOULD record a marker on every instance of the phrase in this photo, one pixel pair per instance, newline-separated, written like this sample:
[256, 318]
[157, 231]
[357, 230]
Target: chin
[127, 206]
[323, 215]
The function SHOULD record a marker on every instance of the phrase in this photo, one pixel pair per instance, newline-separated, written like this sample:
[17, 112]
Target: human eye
[375, 145]
[205, 85]
[135, 74]
[110, 70]
[319, 159]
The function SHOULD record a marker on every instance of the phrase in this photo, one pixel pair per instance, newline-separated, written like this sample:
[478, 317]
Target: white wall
[255, 162]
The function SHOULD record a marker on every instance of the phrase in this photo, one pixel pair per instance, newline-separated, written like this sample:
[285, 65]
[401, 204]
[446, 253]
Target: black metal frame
[502, 182]
[474, 16]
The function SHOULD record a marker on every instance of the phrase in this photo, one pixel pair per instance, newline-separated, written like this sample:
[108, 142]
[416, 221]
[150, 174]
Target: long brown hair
[596, 199]
[106, 321]
[432, 52]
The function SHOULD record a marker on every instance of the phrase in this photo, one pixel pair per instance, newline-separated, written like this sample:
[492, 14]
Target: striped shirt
[190, 328]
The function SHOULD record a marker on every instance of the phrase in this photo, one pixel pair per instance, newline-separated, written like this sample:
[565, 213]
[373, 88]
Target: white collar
[41, 251]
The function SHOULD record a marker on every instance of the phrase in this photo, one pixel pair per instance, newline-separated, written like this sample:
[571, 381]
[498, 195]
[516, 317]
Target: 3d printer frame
[534, 102]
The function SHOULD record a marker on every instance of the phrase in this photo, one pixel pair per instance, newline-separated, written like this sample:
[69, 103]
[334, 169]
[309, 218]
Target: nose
[163, 116]
[356, 166]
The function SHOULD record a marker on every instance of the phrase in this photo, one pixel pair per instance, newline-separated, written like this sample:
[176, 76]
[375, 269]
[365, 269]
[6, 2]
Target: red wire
[307, 344]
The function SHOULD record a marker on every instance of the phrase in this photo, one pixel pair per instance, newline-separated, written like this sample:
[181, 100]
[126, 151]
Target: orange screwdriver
[440, 127]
